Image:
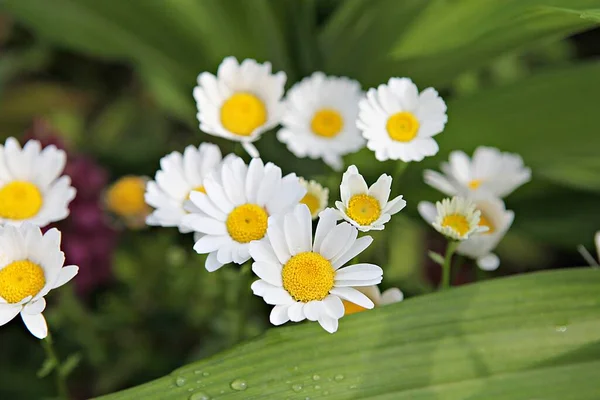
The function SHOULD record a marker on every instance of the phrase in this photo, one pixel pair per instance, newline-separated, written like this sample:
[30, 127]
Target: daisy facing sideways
[455, 218]
[389, 296]
[236, 208]
[367, 207]
[241, 102]
[316, 197]
[320, 119]
[399, 122]
[490, 172]
[31, 264]
[31, 186]
[303, 279]
[179, 175]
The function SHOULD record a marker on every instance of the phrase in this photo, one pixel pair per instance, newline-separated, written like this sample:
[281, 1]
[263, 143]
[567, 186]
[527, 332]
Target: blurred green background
[111, 82]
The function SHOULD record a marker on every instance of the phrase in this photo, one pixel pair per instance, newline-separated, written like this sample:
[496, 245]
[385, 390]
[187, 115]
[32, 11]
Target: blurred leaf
[436, 257]
[47, 368]
[591, 15]
[525, 337]
[69, 364]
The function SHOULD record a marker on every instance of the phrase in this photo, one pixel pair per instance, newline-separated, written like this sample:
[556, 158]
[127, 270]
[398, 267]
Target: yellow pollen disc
[247, 222]
[242, 113]
[312, 202]
[125, 197]
[475, 183]
[351, 308]
[363, 209]
[402, 126]
[197, 189]
[456, 222]
[20, 279]
[483, 221]
[327, 123]
[308, 276]
[20, 200]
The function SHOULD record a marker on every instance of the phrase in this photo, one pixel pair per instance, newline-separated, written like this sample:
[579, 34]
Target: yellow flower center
[456, 222]
[363, 209]
[308, 276]
[312, 202]
[126, 196]
[247, 222]
[197, 189]
[327, 123]
[20, 200]
[483, 221]
[351, 308]
[402, 126]
[475, 183]
[242, 113]
[20, 279]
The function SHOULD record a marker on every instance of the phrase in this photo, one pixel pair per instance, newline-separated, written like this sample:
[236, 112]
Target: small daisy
[305, 280]
[236, 207]
[495, 217]
[456, 218]
[367, 207]
[125, 199]
[390, 296]
[31, 264]
[490, 172]
[319, 121]
[399, 122]
[241, 102]
[31, 188]
[178, 176]
[316, 197]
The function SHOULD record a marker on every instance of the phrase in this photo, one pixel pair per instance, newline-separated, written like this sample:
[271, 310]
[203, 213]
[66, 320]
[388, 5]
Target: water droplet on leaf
[316, 377]
[239, 384]
[297, 387]
[180, 381]
[339, 377]
[199, 396]
[205, 374]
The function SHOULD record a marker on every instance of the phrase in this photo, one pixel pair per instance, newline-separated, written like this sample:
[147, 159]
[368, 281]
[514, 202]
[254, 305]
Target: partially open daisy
[320, 118]
[367, 207]
[31, 264]
[316, 197]
[490, 172]
[31, 188]
[305, 280]
[236, 208]
[455, 218]
[399, 122]
[179, 175]
[241, 102]
[390, 296]
[125, 199]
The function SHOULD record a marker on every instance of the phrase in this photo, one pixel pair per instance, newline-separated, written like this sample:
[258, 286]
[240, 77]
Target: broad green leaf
[593, 15]
[525, 337]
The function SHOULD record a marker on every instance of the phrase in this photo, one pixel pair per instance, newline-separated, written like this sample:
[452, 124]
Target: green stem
[242, 302]
[61, 383]
[446, 268]
[398, 172]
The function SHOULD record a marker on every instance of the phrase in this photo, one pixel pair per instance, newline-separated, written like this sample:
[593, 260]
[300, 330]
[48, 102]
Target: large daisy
[490, 172]
[305, 279]
[367, 207]
[320, 118]
[241, 102]
[31, 188]
[179, 175]
[399, 122]
[31, 264]
[455, 218]
[236, 208]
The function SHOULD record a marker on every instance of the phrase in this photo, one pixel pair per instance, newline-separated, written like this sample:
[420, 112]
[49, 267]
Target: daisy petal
[334, 306]
[270, 273]
[353, 296]
[359, 272]
[313, 310]
[8, 312]
[328, 323]
[279, 315]
[296, 312]
[358, 247]
[36, 324]
[327, 221]
[65, 275]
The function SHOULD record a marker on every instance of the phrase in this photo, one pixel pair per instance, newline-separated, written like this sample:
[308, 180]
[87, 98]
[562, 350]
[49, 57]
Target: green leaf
[436, 257]
[591, 15]
[525, 337]
[46, 368]
[69, 365]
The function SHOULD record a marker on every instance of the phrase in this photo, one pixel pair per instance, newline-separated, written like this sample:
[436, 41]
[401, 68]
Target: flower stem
[61, 383]
[446, 268]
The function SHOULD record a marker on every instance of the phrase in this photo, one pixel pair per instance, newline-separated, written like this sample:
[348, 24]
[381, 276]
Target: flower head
[305, 279]
[367, 207]
[390, 296]
[399, 122]
[125, 199]
[319, 121]
[456, 218]
[31, 188]
[236, 208]
[31, 264]
[179, 175]
[316, 197]
[490, 172]
[241, 102]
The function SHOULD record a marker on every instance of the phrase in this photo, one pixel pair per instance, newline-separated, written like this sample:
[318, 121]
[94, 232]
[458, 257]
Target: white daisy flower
[236, 207]
[320, 119]
[241, 102]
[31, 188]
[367, 207]
[480, 247]
[399, 122]
[305, 280]
[456, 218]
[178, 176]
[31, 264]
[490, 172]
[316, 197]
[390, 296]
